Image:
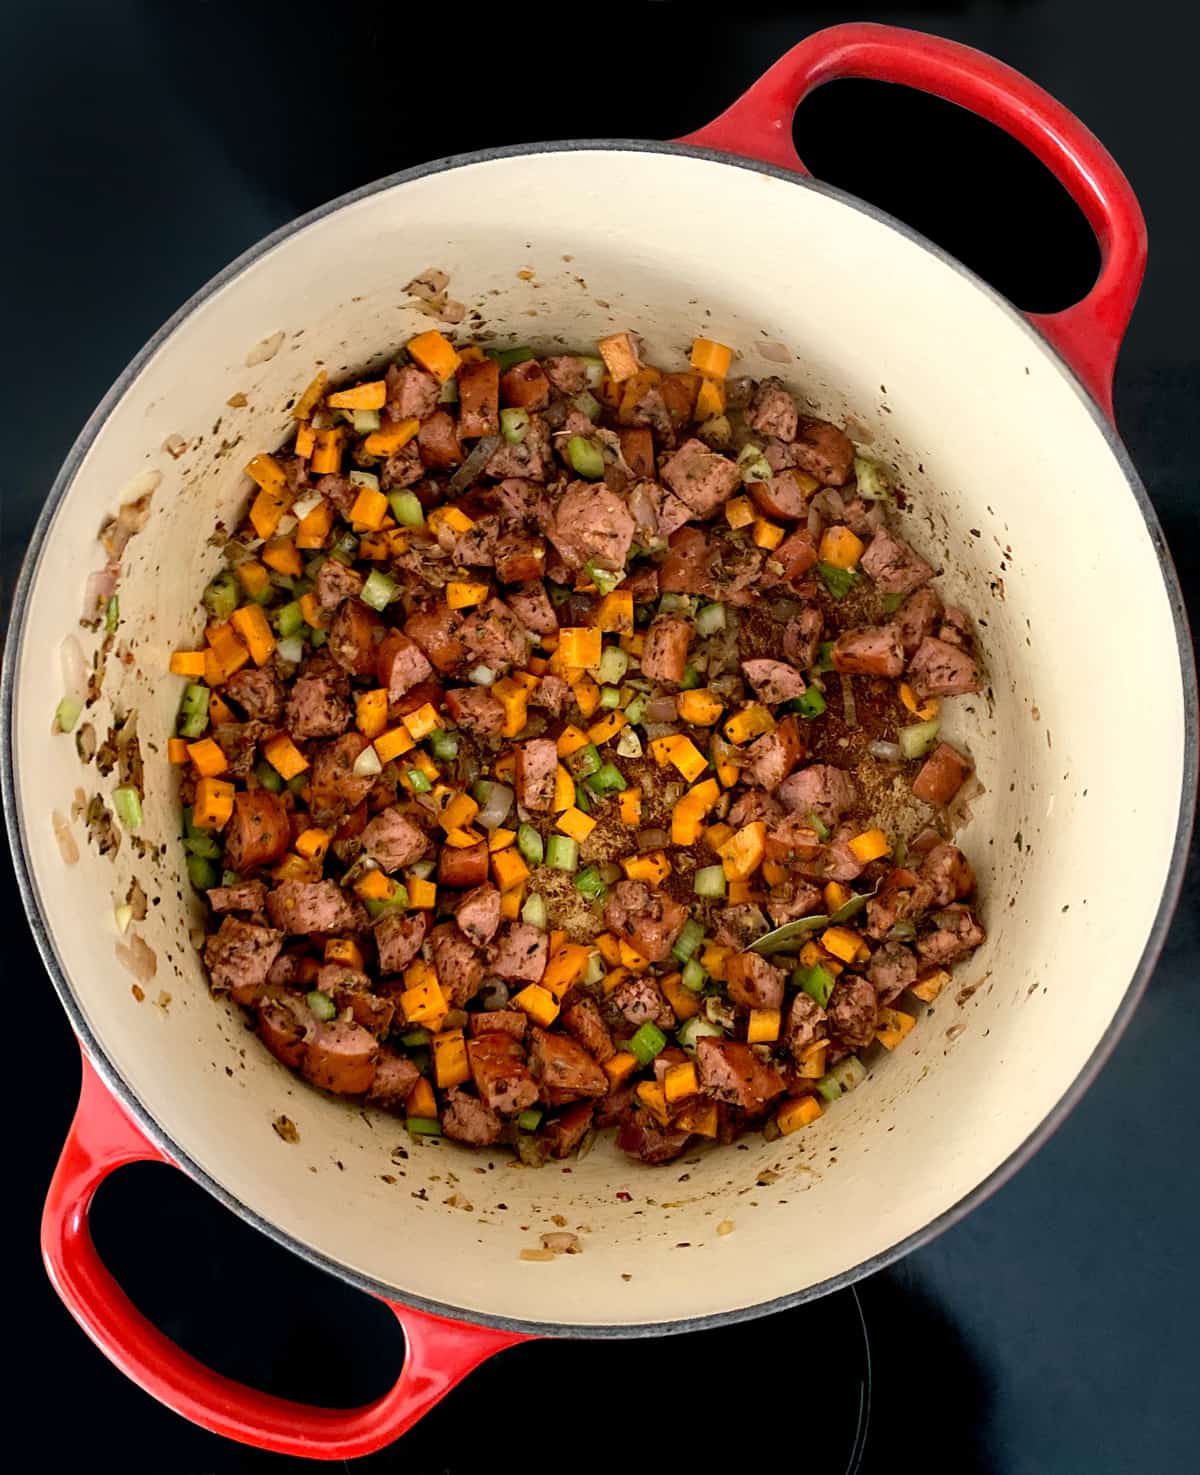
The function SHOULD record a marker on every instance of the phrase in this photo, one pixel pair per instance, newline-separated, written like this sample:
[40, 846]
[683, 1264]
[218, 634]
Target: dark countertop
[1053, 1330]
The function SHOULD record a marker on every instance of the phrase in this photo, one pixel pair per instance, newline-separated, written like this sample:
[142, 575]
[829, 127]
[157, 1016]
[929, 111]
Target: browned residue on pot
[286, 1129]
[138, 957]
[264, 352]
[68, 847]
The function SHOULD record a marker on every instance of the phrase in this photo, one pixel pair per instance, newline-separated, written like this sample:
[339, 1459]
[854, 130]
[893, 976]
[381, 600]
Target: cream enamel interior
[1018, 493]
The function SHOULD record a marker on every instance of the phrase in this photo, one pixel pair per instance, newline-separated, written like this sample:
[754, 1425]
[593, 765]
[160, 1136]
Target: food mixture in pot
[563, 752]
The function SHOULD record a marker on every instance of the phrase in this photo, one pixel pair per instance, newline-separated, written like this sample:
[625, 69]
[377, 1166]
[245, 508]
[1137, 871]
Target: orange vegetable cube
[187, 663]
[607, 727]
[389, 745]
[450, 1067]
[370, 396]
[284, 757]
[869, 846]
[836, 895]
[251, 624]
[742, 855]
[327, 453]
[435, 353]
[424, 1001]
[538, 1003]
[344, 950]
[514, 698]
[652, 867]
[619, 1067]
[710, 399]
[566, 967]
[767, 534]
[311, 397]
[575, 823]
[775, 874]
[208, 757]
[500, 840]
[615, 978]
[265, 512]
[509, 868]
[929, 985]
[570, 740]
[716, 835]
[459, 812]
[812, 1060]
[213, 804]
[711, 358]
[313, 844]
[699, 706]
[579, 645]
[763, 1027]
[615, 612]
[631, 958]
[296, 868]
[463, 593]
[610, 950]
[680, 1082]
[586, 694]
[177, 750]
[314, 527]
[422, 722]
[370, 712]
[280, 554]
[620, 354]
[374, 886]
[219, 710]
[752, 721]
[305, 442]
[840, 547]
[253, 577]
[741, 892]
[369, 510]
[739, 512]
[391, 438]
[894, 1024]
[462, 839]
[698, 1116]
[511, 903]
[796, 1113]
[684, 1003]
[422, 893]
[266, 472]
[564, 790]
[629, 807]
[715, 958]
[421, 1102]
[841, 942]
[654, 1099]
[634, 644]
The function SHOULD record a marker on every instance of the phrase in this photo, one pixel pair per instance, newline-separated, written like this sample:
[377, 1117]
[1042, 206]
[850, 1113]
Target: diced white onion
[292, 649]
[482, 675]
[367, 763]
[304, 505]
[495, 810]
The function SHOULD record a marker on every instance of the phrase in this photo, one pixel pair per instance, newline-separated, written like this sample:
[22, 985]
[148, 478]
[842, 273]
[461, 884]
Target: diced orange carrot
[177, 750]
[306, 441]
[610, 950]
[450, 1067]
[459, 812]
[743, 854]
[711, 358]
[509, 868]
[767, 534]
[284, 757]
[893, 1025]
[654, 1099]
[710, 399]
[684, 1003]
[315, 526]
[514, 698]
[607, 727]
[620, 355]
[579, 645]
[564, 790]
[652, 867]
[435, 353]
[327, 453]
[251, 624]
[566, 967]
[311, 397]
[511, 903]
[212, 806]
[797, 1112]
[219, 710]
[422, 893]
[751, 722]
[344, 950]
[369, 509]
[575, 823]
[314, 843]
[629, 806]
[463, 593]
[391, 438]
[187, 663]
[389, 745]
[615, 612]
[208, 757]
[225, 654]
[422, 722]
[421, 1102]
[619, 1067]
[699, 1116]
[570, 740]
[265, 512]
[253, 577]
[840, 547]
[500, 839]
[280, 554]
[929, 985]
[681, 1081]
[370, 712]
[763, 1027]
[369, 396]
[538, 1003]
[870, 845]
[700, 706]
[739, 512]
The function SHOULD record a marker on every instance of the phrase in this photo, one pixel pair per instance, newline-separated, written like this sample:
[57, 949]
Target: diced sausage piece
[891, 970]
[853, 1011]
[753, 982]
[467, 1119]
[494, 636]
[868, 650]
[435, 629]
[665, 655]
[563, 1133]
[942, 670]
[333, 786]
[476, 547]
[641, 1137]
[700, 477]
[520, 953]
[802, 638]
[239, 957]
[732, 1072]
[552, 693]
[642, 583]
[395, 1076]
[770, 758]
[687, 568]
[753, 805]
[499, 1022]
[335, 582]
[259, 832]
[841, 864]
[894, 567]
[637, 449]
[500, 1074]
[438, 442]
[352, 637]
[525, 386]
[340, 491]
[791, 840]
[341, 1057]
[857, 516]
[259, 693]
[531, 458]
[640, 1001]
[773, 681]
[403, 468]
[246, 896]
[478, 914]
[916, 618]
[773, 410]
[782, 497]
[591, 524]
[819, 789]
[316, 709]
[582, 1019]
[948, 874]
[531, 605]
[798, 556]
[796, 899]
[412, 394]
[479, 398]
[567, 372]
[283, 1026]
[902, 895]
[401, 664]
[457, 963]
[823, 451]
[297, 907]
[350, 989]
[239, 742]
[463, 867]
[956, 934]
[537, 765]
[805, 1023]
[650, 921]
[476, 710]
[398, 939]
[520, 558]
[942, 775]
[393, 840]
[564, 1065]
[955, 628]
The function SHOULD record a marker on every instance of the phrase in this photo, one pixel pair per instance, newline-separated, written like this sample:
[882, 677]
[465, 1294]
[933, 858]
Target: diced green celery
[379, 590]
[590, 883]
[321, 1005]
[345, 550]
[423, 1126]
[419, 782]
[583, 801]
[585, 761]
[530, 1119]
[849, 1073]
[562, 853]
[112, 615]
[691, 935]
[448, 392]
[695, 1028]
[691, 678]
[221, 596]
[289, 619]
[675, 604]
[534, 910]
[585, 457]
[508, 357]
[709, 881]
[614, 662]
[608, 779]
[828, 1088]
[647, 1042]
[365, 422]
[811, 704]
[610, 697]
[636, 709]
[194, 724]
[204, 844]
[753, 465]
[513, 425]
[406, 509]
[595, 369]
[531, 845]
[606, 580]
[595, 969]
[871, 479]
[693, 976]
[415, 1039]
[587, 404]
[710, 619]
[443, 745]
[202, 873]
[916, 741]
[817, 982]
[318, 638]
[66, 714]
[128, 804]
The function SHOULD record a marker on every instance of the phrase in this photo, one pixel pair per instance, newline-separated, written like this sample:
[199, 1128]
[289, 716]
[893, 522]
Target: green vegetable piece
[892, 602]
[608, 779]
[636, 709]
[112, 615]
[562, 853]
[696, 1028]
[811, 704]
[815, 822]
[710, 619]
[443, 744]
[289, 619]
[648, 1042]
[779, 939]
[415, 1039]
[610, 697]
[530, 1119]
[66, 714]
[838, 581]
[513, 425]
[817, 983]
[828, 1088]
[345, 550]
[321, 1005]
[585, 457]
[606, 580]
[824, 661]
[508, 357]
[691, 935]
[534, 911]
[590, 883]
[406, 509]
[694, 976]
[531, 845]
[221, 596]
[419, 782]
[365, 422]
[691, 679]
[614, 662]
[128, 804]
[587, 404]
[586, 761]
[916, 741]
[423, 1126]
[379, 590]
[202, 873]
[583, 800]
[709, 881]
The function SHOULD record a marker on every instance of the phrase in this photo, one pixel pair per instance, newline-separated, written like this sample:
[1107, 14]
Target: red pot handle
[759, 126]
[439, 1353]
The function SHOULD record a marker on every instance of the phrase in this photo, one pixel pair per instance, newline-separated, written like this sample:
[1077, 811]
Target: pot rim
[37, 913]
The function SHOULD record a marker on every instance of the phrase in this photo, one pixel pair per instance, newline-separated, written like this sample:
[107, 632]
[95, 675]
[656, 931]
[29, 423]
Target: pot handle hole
[759, 126]
[439, 1352]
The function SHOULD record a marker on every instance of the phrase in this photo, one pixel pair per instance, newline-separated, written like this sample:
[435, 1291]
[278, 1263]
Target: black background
[146, 145]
